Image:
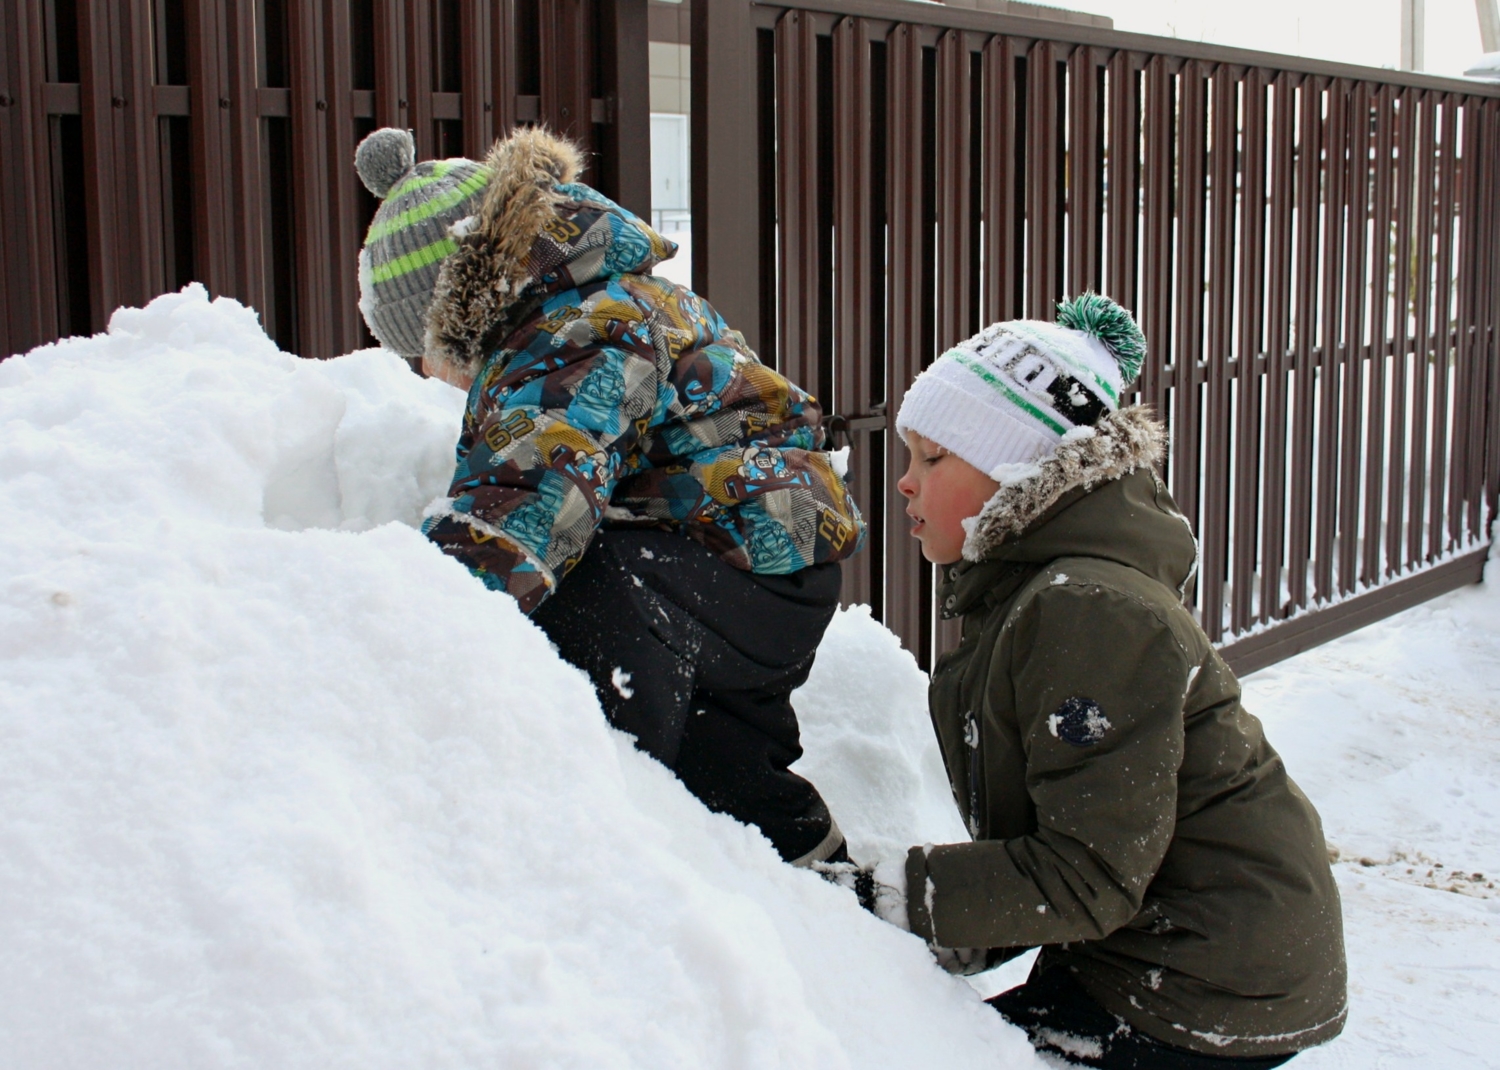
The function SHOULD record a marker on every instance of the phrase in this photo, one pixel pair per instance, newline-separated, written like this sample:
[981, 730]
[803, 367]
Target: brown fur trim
[479, 283]
[1122, 442]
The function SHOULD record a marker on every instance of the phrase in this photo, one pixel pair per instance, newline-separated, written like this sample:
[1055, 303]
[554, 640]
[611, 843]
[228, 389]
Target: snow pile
[283, 786]
[869, 741]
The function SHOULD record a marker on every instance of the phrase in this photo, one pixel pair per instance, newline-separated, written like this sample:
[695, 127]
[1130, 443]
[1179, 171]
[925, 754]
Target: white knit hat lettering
[1011, 393]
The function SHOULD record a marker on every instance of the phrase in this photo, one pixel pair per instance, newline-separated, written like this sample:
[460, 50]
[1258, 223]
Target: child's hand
[962, 961]
[880, 887]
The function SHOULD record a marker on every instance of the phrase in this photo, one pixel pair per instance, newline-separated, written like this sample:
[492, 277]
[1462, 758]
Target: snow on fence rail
[1309, 247]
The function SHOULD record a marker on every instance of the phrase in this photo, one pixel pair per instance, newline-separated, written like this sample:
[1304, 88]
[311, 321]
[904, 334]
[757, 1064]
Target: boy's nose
[906, 485]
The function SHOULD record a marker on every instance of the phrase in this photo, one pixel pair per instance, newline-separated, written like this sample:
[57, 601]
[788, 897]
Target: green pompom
[1097, 315]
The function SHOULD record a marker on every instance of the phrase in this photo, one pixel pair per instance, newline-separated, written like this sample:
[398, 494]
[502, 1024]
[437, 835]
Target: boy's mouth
[917, 523]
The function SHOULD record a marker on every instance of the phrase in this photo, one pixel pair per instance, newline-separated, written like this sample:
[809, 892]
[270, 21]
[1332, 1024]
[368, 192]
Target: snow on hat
[1011, 393]
[422, 210]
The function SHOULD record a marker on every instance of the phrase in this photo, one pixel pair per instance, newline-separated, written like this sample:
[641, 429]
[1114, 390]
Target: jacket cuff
[919, 892]
[500, 563]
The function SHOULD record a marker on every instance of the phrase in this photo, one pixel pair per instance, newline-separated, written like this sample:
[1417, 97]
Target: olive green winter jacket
[1128, 814]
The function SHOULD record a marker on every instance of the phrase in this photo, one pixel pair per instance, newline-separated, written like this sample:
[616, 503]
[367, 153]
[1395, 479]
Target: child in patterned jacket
[652, 495]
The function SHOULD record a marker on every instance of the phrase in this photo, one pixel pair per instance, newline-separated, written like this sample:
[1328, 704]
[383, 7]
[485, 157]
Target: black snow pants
[698, 659]
[1065, 1021]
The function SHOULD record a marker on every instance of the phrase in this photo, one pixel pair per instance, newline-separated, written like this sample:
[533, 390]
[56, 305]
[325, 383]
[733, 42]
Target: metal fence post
[726, 193]
[121, 162]
[625, 145]
[28, 262]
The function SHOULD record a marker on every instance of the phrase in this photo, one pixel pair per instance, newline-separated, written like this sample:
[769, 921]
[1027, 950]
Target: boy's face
[450, 375]
[942, 490]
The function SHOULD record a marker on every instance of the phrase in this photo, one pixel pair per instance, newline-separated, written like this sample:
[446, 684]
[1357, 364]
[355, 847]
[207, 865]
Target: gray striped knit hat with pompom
[1010, 394]
[424, 209]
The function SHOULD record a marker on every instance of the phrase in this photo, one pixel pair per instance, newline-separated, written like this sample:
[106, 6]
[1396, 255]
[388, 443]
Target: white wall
[1367, 32]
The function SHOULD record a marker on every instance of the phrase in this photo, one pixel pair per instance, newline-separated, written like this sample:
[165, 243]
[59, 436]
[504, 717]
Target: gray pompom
[383, 157]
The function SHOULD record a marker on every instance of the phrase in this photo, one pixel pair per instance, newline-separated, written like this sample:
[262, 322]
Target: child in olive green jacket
[1128, 816]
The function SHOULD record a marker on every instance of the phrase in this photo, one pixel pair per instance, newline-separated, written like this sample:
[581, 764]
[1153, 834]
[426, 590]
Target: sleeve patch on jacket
[1079, 721]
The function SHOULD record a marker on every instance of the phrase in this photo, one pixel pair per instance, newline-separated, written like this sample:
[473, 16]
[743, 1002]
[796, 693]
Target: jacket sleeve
[548, 437]
[1098, 681]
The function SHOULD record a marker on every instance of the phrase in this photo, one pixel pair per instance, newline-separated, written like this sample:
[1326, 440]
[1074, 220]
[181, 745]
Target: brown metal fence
[1310, 248]
[148, 143]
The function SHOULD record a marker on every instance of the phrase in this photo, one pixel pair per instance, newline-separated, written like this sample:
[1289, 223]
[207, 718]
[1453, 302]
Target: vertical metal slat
[566, 96]
[417, 71]
[476, 61]
[1156, 232]
[1251, 273]
[1044, 191]
[503, 45]
[1356, 287]
[1396, 536]
[726, 194]
[1123, 190]
[341, 181]
[310, 181]
[905, 612]
[622, 58]
[1441, 535]
[1308, 200]
[1085, 168]
[1213, 527]
[1383, 156]
[392, 107]
[955, 311]
[1329, 352]
[29, 313]
[1422, 206]
[1278, 344]
[1487, 294]
[1467, 463]
[798, 269]
[1187, 432]
[1003, 259]
[855, 252]
[121, 156]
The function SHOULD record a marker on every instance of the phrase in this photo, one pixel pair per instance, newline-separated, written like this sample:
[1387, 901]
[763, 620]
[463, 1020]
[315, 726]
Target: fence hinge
[840, 424]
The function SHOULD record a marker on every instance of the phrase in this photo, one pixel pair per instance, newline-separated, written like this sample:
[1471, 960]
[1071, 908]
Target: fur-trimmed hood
[1098, 495]
[1119, 443]
[538, 231]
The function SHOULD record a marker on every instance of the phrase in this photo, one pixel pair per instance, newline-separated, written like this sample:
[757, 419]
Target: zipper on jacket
[971, 738]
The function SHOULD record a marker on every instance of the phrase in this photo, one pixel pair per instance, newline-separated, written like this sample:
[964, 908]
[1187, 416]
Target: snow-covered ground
[1394, 732]
[280, 785]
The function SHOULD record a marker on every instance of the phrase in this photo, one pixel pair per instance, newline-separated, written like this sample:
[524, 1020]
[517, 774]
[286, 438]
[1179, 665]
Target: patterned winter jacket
[606, 396]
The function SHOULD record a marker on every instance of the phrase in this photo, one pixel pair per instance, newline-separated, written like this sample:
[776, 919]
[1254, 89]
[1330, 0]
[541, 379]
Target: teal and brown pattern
[609, 397]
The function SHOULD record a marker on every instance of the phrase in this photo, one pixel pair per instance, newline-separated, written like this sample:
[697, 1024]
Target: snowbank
[283, 786]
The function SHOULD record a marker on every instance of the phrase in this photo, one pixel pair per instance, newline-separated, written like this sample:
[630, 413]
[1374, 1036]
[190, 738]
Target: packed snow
[282, 785]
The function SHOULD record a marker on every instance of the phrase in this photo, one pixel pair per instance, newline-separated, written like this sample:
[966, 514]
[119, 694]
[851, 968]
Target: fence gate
[148, 143]
[1310, 249]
